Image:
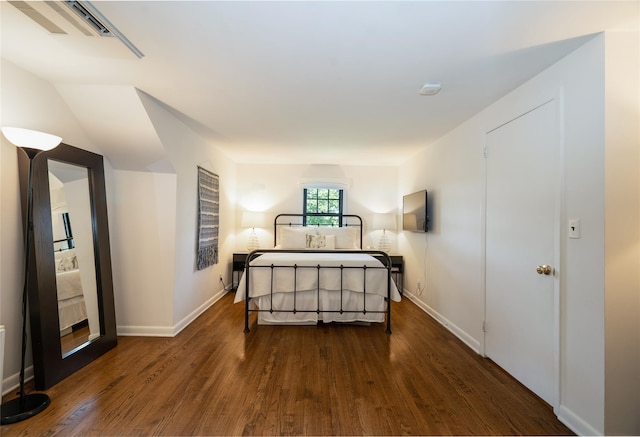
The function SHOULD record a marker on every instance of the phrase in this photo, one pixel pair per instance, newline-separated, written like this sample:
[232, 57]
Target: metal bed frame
[346, 220]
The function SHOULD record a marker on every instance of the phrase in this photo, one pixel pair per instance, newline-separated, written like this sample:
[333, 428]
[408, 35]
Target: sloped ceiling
[310, 82]
[117, 122]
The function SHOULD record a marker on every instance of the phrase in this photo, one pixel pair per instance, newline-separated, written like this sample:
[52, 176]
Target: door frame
[511, 113]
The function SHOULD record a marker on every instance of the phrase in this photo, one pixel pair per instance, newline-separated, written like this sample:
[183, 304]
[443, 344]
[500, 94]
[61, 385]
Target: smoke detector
[430, 89]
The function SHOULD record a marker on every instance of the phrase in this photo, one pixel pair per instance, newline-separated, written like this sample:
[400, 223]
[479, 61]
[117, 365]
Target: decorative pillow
[316, 242]
[69, 263]
[292, 238]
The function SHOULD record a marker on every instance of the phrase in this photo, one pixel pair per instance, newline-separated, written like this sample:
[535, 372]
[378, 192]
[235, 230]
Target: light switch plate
[574, 228]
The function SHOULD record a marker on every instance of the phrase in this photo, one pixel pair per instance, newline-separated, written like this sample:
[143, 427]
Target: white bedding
[71, 306]
[68, 284]
[71, 311]
[306, 279]
[329, 300]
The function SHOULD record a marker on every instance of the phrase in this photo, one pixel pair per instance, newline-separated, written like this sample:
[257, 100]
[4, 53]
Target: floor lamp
[31, 142]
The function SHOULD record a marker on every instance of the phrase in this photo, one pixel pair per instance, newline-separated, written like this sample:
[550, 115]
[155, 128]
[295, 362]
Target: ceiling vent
[89, 18]
[82, 15]
[76, 14]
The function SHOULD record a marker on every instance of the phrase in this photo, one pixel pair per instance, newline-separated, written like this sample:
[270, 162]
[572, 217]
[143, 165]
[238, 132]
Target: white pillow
[293, 238]
[330, 242]
[345, 237]
[326, 230]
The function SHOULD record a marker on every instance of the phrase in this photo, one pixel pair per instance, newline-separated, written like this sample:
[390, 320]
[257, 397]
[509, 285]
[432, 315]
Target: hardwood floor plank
[212, 379]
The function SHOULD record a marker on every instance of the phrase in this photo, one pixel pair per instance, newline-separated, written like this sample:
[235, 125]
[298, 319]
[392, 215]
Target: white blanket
[68, 284]
[71, 311]
[306, 277]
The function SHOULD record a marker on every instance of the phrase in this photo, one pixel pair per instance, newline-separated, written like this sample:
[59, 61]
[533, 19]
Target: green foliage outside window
[322, 206]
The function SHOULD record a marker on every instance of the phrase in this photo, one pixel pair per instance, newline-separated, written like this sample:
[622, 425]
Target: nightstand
[237, 267]
[397, 270]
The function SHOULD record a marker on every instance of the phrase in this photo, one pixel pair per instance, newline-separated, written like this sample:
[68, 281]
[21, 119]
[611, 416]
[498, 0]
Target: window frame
[335, 219]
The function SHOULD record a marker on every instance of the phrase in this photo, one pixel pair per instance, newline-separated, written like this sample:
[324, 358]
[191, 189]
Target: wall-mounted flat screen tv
[414, 212]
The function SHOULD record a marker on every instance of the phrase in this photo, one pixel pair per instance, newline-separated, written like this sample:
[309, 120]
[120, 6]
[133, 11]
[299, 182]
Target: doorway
[522, 241]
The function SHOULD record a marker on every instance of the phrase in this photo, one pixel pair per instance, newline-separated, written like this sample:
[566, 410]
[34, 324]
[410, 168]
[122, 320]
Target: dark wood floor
[75, 338]
[212, 379]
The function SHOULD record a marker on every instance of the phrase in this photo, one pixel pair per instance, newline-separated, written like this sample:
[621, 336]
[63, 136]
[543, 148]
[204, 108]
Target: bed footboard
[359, 282]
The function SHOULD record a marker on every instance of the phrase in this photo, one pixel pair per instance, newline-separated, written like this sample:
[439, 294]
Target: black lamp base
[24, 407]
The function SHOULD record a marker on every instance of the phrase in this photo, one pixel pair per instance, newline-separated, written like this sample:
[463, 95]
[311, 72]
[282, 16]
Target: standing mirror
[70, 290]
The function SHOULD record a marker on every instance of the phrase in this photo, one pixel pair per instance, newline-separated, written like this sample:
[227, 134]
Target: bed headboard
[296, 220]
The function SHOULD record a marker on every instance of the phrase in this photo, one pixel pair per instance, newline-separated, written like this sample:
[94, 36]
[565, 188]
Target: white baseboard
[145, 331]
[574, 422]
[453, 328]
[12, 382]
[169, 331]
[201, 309]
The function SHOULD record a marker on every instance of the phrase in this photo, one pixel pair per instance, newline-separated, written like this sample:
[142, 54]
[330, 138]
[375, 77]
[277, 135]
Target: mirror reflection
[76, 284]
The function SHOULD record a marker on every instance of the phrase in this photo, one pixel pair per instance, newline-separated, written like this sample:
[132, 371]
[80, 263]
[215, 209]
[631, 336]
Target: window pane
[314, 221]
[312, 193]
[312, 206]
[334, 206]
[323, 206]
[322, 220]
[323, 193]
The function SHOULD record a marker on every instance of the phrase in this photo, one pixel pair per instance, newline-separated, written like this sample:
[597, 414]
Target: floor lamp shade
[30, 139]
[32, 143]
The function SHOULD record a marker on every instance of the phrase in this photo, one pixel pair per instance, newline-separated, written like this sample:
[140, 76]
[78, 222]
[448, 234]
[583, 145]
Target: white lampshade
[385, 222]
[31, 139]
[252, 219]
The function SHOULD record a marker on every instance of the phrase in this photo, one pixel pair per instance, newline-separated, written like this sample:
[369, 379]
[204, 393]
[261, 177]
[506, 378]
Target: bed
[71, 305]
[317, 273]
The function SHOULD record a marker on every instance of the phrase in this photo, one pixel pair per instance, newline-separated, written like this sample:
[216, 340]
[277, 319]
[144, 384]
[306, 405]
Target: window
[322, 206]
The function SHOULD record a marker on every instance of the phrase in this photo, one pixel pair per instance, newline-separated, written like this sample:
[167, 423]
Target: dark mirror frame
[49, 366]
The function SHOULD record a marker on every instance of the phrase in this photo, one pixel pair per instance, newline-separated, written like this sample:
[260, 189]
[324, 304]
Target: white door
[521, 222]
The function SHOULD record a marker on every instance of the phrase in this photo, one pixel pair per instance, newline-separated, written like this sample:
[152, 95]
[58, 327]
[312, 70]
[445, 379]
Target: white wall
[448, 257]
[594, 158]
[194, 291]
[142, 229]
[277, 189]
